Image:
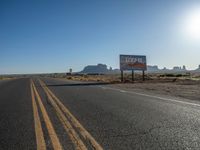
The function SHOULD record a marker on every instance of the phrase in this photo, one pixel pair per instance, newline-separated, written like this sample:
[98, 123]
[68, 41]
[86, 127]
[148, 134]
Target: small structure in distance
[70, 72]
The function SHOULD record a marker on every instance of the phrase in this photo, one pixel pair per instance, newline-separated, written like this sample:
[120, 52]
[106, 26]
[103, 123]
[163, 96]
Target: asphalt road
[50, 114]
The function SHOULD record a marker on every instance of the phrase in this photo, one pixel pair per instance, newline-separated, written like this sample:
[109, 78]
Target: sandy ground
[3, 78]
[178, 87]
[182, 89]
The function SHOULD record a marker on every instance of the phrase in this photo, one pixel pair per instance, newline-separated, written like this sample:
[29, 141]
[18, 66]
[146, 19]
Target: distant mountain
[102, 69]
[198, 69]
[155, 69]
[152, 68]
[95, 69]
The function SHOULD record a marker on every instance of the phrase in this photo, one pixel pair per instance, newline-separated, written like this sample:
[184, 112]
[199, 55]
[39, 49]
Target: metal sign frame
[133, 62]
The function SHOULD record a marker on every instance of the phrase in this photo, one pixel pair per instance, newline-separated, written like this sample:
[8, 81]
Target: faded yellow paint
[78, 143]
[85, 134]
[53, 136]
[38, 128]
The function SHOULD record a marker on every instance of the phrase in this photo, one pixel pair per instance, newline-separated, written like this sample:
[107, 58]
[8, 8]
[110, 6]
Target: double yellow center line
[73, 128]
[38, 127]
[39, 133]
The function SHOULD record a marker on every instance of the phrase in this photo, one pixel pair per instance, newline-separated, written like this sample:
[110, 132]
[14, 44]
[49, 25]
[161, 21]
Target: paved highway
[47, 114]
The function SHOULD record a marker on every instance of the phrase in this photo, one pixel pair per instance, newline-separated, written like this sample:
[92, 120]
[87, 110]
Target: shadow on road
[80, 84]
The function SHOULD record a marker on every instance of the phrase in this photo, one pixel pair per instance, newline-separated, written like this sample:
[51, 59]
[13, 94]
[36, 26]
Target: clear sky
[52, 36]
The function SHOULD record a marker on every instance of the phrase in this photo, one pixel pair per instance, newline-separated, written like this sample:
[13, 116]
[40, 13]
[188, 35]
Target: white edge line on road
[158, 97]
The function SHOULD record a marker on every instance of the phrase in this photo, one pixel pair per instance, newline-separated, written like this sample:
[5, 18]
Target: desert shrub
[69, 78]
[170, 75]
[85, 76]
[162, 75]
[174, 80]
[179, 75]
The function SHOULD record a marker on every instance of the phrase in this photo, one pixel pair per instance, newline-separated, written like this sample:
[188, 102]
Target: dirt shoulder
[178, 87]
[182, 89]
[4, 78]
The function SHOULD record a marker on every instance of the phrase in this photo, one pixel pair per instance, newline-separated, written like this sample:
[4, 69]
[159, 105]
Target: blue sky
[52, 36]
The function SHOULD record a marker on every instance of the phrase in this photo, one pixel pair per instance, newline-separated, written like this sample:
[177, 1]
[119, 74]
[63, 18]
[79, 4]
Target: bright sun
[192, 24]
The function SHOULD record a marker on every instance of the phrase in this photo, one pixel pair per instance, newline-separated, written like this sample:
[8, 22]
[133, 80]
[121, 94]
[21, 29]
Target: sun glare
[192, 24]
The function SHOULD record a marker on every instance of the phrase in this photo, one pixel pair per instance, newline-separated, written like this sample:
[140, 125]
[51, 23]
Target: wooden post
[133, 76]
[143, 78]
[122, 78]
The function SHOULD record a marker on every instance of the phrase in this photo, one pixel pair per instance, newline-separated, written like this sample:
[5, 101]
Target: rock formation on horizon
[102, 69]
[95, 69]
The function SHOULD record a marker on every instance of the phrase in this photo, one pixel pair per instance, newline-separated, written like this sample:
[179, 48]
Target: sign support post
[133, 76]
[143, 78]
[122, 78]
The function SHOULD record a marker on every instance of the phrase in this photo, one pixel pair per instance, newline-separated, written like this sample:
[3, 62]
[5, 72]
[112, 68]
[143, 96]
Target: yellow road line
[79, 145]
[86, 135]
[53, 136]
[38, 128]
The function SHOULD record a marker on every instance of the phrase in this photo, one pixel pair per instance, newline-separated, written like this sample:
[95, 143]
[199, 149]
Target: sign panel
[133, 62]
